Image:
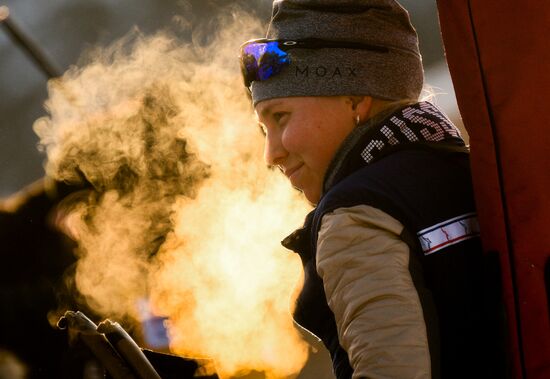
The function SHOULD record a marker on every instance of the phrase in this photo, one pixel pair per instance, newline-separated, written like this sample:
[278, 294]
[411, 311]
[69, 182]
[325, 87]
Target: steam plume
[182, 210]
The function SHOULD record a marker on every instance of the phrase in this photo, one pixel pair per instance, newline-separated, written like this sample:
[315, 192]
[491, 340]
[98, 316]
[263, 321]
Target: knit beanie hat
[395, 74]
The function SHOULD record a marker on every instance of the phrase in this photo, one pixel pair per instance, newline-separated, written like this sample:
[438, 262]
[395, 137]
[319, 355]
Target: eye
[263, 128]
[280, 117]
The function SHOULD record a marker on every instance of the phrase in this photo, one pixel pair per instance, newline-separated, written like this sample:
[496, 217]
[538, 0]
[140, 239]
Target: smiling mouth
[288, 173]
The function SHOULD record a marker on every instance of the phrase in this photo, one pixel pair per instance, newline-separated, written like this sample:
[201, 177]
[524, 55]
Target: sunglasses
[263, 58]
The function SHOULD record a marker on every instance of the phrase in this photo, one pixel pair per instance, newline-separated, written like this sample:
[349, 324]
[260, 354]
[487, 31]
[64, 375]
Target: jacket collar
[412, 126]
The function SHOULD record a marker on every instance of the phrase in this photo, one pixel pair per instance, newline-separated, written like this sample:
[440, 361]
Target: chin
[312, 196]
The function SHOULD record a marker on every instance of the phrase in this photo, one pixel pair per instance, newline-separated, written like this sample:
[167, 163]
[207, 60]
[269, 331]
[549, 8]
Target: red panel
[499, 57]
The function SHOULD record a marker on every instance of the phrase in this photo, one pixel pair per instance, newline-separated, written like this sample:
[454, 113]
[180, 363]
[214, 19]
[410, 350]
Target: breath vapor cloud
[181, 209]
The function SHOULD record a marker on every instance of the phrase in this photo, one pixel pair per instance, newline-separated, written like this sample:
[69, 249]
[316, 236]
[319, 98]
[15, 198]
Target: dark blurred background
[63, 29]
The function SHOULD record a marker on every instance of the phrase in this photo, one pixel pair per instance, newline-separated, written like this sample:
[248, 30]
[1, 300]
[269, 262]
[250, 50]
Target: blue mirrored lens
[264, 59]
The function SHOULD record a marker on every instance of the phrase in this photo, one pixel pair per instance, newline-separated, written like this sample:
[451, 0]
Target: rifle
[122, 358]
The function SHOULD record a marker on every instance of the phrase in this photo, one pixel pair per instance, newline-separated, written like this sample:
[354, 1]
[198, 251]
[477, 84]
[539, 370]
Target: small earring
[357, 120]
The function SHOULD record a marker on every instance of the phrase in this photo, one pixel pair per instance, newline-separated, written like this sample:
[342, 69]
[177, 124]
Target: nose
[274, 150]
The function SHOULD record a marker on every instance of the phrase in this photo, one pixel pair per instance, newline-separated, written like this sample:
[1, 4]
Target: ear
[361, 105]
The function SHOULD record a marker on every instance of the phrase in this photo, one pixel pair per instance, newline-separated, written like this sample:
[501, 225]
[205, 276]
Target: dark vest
[425, 184]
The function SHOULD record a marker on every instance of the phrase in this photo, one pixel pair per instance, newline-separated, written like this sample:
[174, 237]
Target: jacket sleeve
[365, 270]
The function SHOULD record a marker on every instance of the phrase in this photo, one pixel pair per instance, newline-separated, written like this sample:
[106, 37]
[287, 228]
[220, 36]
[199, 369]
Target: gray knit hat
[393, 75]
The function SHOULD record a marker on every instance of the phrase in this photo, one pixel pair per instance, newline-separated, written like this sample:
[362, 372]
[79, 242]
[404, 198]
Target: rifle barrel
[27, 44]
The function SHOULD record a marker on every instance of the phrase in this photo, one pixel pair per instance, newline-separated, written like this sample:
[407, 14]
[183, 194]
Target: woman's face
[302, 136]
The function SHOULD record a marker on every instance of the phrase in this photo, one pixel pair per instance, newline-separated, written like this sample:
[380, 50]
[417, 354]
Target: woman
[391, 252]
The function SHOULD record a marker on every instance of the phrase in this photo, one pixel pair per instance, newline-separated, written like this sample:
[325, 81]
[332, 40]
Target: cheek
[295, 138]
[327, 140]
[315, 139]
[323, 154]
[311, 147]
